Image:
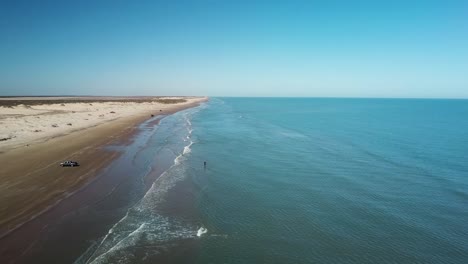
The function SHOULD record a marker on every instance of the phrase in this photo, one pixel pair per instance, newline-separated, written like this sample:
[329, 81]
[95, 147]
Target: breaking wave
[143, 227]
[201, 231]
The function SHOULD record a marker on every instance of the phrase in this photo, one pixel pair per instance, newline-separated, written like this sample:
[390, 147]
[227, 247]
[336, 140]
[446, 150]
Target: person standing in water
[204, 165]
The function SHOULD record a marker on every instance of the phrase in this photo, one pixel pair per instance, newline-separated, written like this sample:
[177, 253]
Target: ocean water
[302, 180]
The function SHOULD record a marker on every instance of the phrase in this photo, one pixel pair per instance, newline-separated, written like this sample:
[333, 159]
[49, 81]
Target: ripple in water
[144, 233]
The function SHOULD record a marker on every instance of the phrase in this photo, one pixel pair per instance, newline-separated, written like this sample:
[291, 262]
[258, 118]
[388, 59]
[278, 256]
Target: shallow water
[333, 180]
[150, 228]
[300, 181]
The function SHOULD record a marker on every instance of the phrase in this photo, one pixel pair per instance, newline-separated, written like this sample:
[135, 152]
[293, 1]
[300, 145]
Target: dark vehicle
[69, 163]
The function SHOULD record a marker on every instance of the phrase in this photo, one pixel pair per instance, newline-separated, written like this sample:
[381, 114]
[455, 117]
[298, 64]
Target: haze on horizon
[235, 48]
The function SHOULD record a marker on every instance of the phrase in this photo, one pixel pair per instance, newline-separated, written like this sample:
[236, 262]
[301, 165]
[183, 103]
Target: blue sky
[235, 48]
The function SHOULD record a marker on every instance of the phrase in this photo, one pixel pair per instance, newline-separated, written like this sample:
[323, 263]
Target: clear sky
[235, 48]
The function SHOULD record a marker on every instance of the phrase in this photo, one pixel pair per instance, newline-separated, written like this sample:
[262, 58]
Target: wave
[187, 149]
[143, 226]
[201, 231]
[156, 234]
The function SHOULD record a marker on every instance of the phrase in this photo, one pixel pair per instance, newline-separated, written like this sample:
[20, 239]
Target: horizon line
[255, 96]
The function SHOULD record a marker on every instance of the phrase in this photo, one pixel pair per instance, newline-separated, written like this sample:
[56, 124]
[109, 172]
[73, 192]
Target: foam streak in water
[142, 225]
[201, 231]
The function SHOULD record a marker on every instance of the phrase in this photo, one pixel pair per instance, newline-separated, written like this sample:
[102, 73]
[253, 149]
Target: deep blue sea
[303, 180]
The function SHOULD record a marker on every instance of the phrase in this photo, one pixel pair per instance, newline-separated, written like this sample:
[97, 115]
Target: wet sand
[36, 194]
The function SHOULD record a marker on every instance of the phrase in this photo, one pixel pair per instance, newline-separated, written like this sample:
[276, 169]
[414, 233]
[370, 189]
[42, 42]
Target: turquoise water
[293, 180]
[333, 180]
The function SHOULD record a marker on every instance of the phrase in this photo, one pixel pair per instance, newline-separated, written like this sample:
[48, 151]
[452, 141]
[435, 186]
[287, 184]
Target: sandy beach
[38, 133]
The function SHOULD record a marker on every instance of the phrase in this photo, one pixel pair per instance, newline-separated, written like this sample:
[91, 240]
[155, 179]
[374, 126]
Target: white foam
[177, 160]
[201, 231]
[121, 244]
[142, 223]
[156, 233]
[187, 148]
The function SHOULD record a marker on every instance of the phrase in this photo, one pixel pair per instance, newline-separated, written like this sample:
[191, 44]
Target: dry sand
[37, 136]
[28, 122]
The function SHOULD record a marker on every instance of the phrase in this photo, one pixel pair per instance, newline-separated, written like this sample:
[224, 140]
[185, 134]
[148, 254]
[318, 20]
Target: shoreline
[90, 150]
[27, 121]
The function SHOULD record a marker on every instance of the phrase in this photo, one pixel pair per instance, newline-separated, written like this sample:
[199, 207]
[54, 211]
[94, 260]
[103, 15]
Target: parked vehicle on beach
[69, 163]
